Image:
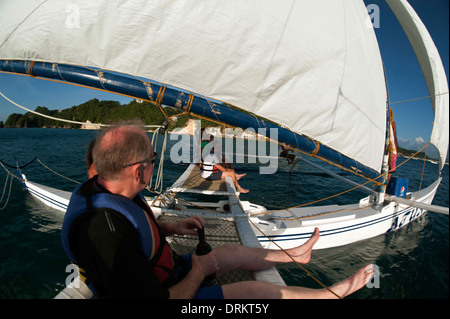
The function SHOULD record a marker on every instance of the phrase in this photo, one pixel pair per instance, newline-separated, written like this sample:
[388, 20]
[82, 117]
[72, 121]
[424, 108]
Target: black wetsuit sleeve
[109, 250]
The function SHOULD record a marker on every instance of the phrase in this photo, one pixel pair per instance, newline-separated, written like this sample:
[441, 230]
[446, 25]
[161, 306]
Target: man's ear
[137, 173]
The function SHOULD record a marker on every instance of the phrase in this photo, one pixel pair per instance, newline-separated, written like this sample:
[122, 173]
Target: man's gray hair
[118, 146]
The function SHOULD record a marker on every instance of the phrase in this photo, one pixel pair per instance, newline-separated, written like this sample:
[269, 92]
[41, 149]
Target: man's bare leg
[266, 290]
[231, 257]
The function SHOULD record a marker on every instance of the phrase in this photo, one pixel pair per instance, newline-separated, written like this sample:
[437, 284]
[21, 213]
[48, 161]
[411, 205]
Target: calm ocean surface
[414, 261]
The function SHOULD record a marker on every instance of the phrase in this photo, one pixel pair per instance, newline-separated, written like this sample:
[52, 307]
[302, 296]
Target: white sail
[311, 66]
[433, 71]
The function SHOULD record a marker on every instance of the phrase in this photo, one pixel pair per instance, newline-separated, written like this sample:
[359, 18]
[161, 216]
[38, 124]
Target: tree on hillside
[96, 111]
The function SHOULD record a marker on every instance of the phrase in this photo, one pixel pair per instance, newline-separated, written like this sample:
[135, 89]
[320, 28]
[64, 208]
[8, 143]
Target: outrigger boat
[264, 70]
[339, 224]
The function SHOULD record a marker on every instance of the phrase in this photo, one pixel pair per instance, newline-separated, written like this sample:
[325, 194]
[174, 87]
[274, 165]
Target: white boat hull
[336, 234]
[52, 197]
[338, 225]
[351, 224]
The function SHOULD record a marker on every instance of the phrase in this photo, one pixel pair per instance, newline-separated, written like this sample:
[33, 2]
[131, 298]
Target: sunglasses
[147, 160]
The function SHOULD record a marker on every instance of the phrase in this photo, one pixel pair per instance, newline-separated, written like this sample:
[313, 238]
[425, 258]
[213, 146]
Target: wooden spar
[413, 203]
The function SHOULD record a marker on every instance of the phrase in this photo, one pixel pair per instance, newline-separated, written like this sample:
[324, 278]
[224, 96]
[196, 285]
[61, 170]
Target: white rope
[9, 193]
[6, 185]
[54, 172]
[59, 119]
[160, 172]
[419, 98]
[159, 176]
[11, 174]
[4, 188]
[154, 140]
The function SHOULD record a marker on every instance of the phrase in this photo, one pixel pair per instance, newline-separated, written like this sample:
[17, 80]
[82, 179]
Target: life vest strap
[208, 167]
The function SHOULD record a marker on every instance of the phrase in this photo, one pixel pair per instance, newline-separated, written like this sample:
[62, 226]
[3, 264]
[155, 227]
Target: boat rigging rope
[60, 119]
[47, 116]
[419, 98]
[297, 263]
[160, 172]
[4, 165]
[256, 226]
[288, 147]
[54, 172]
[18, 167]
[9, 176]
[335, 195]
[9, 192]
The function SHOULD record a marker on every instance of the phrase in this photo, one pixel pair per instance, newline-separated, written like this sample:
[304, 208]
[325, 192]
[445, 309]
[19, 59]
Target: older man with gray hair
[110, 232]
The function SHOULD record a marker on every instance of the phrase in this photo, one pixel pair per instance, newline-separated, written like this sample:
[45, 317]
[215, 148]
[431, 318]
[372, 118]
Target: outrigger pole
[183, 100]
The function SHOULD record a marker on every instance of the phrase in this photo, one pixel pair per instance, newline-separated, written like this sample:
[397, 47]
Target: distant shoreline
[184, 130]
[179, 130]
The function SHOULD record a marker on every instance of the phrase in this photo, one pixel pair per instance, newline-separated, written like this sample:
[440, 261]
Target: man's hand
[205, 264]
[202, 266]
[186, 226]
[189, 226]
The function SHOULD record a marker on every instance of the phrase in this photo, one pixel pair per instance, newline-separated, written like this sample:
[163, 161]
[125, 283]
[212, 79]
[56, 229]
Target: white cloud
[419, 141]
[413, 145]
[417, 144]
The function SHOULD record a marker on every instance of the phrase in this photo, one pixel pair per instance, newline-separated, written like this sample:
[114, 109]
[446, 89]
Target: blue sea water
[413, 262]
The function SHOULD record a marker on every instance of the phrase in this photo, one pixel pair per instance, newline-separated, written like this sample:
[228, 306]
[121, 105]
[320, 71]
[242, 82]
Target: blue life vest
[152, 242]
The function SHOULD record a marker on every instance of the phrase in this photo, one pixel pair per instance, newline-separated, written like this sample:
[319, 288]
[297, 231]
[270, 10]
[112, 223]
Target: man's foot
[354, 282]
[239, 176]
[302, 254]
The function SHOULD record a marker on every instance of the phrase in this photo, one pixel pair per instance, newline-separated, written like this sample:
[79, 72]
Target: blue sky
[405, 80]
[414, 119]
